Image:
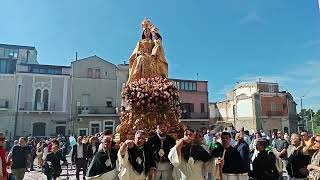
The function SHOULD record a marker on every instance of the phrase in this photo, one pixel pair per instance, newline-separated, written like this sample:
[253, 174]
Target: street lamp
[16, 116]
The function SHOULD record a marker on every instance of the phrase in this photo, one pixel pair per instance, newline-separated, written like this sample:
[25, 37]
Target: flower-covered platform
[148, 102]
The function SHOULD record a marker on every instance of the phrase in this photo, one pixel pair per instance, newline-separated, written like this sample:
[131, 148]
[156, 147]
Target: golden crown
[146, 24]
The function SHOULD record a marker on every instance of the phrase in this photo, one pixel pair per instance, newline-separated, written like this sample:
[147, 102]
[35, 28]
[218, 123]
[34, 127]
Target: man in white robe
[189, 160]
[134, 159]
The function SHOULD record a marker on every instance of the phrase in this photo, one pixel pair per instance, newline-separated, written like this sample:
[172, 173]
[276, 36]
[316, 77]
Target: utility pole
[302, 114]
[311, 117]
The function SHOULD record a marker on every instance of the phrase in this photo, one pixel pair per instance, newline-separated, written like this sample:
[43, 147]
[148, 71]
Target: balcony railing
[4, 104]
[40, 106]
[194, 115]
[275, 113]
[96, 110]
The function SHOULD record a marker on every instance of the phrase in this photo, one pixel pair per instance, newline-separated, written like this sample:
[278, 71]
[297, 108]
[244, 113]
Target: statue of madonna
[147, 59]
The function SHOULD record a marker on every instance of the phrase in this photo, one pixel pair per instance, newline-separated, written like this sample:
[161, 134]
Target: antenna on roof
[197, 76]
[259, 79]
[76, 56]
[124, 62]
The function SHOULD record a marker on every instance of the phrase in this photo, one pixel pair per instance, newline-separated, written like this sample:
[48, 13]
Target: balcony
[4, 104]
[275, 113]
[85, 110]
[194, 115]
[38, 107]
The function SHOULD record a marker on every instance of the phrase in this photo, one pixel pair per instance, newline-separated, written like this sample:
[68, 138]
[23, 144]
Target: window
[182, 85]
[83, 131]
[194, 86]
[202, 107]
[6, 52]
[3, 66]
[273, 107]
[4, 103]
[35, 70]
[37, 100]
[190, 86]
[187, 107]
[95, 128]
[7, 66]
[97, 74]
[43, 71]
[186, 86]
[85, 99]
[45, 100]
[106, 73]
[39, 129]
[58, 71]
[51, 71]
[176, 84]
[89, 73]
[109, 104]
[108, 124]
[271, 88]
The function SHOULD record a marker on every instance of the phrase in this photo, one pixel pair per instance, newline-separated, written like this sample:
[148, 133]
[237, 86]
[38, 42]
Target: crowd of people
[201, 154]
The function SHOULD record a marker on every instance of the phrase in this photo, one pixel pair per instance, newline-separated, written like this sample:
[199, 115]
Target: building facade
[256, 106]
[8, 103]
[44, 100]
[96, 94]
[10, 56]
[194, 102]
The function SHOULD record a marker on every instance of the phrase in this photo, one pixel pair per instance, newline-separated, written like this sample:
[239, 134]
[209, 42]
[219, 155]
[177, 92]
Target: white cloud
[251, 17]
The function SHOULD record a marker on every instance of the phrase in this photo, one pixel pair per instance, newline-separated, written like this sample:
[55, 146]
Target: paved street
[38, 174]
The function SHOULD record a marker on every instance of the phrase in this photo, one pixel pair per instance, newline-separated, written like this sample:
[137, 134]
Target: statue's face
[147, 33]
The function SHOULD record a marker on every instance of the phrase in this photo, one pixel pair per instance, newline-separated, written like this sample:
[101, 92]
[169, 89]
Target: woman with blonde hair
[39, 153]
[314, 166]
[298, 158]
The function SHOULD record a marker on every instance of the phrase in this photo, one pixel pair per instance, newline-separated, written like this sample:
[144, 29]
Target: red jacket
[3, 159]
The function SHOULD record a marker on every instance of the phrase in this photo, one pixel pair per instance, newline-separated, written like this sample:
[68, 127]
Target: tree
[309, 114]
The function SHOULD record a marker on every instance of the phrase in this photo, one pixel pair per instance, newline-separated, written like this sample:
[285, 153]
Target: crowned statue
[147, 59]
[149, 96]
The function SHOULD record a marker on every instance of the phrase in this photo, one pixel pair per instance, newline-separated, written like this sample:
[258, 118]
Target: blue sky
[225, 41]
